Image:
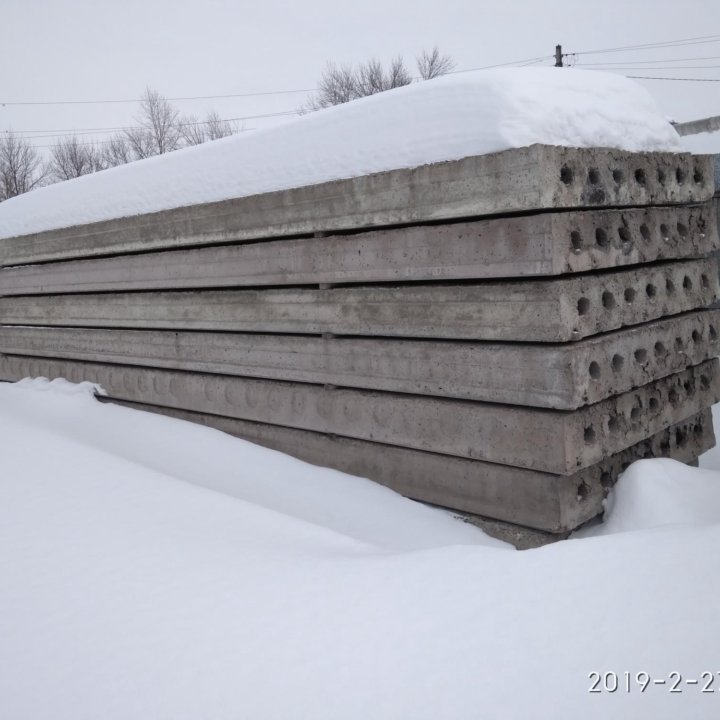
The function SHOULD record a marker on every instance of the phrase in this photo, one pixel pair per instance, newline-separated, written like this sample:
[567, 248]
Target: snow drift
[444, 119]
[150, 568]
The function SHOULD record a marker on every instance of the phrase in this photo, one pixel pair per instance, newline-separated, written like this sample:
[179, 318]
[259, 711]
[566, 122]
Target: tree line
[161, 128]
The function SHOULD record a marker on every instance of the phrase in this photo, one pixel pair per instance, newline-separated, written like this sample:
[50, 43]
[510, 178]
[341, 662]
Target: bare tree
[372, 78]
[397, 75]
[343, 83]
[217, 128]
[158, 131]
[337, 85]
[192, 130]
[21, 168]
[116, 151]
[70, 157]
[196, 132]
[140, 143]
[432, 64]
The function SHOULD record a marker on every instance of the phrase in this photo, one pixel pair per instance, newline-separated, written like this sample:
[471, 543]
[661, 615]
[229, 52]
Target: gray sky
[91, 49]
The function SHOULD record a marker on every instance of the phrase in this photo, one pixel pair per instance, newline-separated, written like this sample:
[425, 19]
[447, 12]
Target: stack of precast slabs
[500, 335]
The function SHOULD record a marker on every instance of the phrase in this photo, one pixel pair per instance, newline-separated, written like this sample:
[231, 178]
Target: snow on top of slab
[444, 119]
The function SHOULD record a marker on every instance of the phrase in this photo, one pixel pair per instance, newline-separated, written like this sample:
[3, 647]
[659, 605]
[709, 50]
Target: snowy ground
[152, 569]
[445, 119]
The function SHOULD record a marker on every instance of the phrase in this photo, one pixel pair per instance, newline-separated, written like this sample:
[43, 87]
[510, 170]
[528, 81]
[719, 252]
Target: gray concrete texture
[532, 245]
[549, 440]
[548, 310]
[520, 536]
[522, 180]
[551, 503]
[563, 376]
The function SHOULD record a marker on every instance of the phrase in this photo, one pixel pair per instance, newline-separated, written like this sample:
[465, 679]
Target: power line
[645, 77]
[700, 40]
[648, 62]
[137, 100]
[660, 67]
[527, 61]
[99, 130]
[521, 63]
[107, 142]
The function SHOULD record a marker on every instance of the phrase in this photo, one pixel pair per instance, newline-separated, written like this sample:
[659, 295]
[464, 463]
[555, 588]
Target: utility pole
[558, 56]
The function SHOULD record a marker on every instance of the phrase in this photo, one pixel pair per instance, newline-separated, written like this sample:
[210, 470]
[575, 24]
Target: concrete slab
[520, 536]
[548, 310]
[534, 178]
[549, 440]
[541, 375]
[550, 503]
[532, 245]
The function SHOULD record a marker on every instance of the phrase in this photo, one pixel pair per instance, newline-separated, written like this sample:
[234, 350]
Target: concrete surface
[548, 503]
[522, 180]
[531, 245]
[548, 310]
[549, 440]
[541, 375]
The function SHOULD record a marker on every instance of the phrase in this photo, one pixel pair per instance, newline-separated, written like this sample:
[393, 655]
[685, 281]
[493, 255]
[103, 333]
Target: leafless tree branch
[71, 158]
[343, 83]
[21, 168]
[432, 64]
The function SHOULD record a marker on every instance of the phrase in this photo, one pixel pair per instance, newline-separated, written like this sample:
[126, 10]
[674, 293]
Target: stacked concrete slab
[500, 335]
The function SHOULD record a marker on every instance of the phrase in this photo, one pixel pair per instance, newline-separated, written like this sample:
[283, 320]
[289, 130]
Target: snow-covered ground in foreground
[444, 119]
[150, 568]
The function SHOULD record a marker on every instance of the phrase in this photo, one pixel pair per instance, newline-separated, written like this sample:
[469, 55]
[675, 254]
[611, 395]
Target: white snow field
[152, 569]
[445, 119]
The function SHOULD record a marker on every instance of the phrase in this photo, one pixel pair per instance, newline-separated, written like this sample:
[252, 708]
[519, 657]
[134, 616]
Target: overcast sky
[55, 50]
